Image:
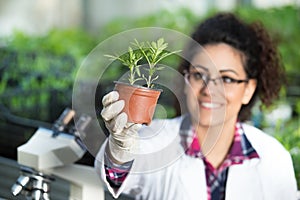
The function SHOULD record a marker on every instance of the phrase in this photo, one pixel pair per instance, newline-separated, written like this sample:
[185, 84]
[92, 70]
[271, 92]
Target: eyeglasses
[202, 78]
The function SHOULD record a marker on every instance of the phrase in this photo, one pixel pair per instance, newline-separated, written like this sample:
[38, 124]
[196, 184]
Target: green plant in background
[74, 42]
[28, 81]
[38, 70]
[182, 20]
[288, 133]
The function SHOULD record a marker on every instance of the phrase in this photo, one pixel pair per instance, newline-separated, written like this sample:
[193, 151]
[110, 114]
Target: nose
[211, 86]
[207, 88]
[213, 80]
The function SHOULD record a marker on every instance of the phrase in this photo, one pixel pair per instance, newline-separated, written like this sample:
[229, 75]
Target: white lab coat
[164, 172]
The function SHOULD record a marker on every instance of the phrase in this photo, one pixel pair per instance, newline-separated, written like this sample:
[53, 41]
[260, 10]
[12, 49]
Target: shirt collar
[240, 150]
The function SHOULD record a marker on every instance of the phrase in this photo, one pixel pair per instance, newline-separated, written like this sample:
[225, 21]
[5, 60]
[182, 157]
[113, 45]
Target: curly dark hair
[262, 61]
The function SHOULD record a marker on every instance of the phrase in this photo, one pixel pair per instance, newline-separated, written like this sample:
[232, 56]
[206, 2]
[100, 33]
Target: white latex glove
[122, 142]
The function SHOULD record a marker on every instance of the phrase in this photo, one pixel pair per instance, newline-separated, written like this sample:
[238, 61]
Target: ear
[249, 91]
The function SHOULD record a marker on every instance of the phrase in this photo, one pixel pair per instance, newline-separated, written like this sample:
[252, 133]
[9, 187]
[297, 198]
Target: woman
[220, 156]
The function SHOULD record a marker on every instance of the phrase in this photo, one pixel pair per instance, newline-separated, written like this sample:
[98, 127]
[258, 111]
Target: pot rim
[137, 86]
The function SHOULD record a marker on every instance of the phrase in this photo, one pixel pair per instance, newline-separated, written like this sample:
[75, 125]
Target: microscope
[52, 153]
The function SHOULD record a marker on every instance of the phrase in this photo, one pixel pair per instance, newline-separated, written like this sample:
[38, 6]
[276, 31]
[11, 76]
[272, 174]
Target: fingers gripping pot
[140, 102]
[122, 142]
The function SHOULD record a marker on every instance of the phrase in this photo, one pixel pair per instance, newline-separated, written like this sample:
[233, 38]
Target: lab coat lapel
[192, 178]
[243, 181]
[192, 171]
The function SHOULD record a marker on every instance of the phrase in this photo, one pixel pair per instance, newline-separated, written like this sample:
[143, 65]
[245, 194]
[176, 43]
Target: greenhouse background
[43, 43]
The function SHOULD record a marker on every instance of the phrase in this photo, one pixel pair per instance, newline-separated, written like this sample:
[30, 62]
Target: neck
[215, 141]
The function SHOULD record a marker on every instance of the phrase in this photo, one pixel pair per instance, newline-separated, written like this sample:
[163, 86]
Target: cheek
[191, 97]
[191, 93]
[234, 99]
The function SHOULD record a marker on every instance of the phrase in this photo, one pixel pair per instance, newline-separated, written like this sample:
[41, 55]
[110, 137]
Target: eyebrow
[229, 70]
[221, 71]
[202, 67]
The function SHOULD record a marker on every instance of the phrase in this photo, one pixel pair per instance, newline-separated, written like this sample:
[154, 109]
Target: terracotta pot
[140, 102]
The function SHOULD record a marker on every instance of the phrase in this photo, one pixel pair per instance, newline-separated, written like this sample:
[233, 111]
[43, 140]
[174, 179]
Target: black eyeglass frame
[206, 78]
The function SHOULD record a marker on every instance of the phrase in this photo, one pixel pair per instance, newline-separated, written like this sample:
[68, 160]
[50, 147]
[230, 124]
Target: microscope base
[85, 184]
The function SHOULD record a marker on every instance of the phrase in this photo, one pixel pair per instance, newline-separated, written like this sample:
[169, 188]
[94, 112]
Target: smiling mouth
[210, 105]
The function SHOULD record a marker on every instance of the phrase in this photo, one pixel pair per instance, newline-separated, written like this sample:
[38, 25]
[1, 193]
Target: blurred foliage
[284, 26]
[38, 71]
[288, 133]
[74, 42]
[49, 62]
[30, 82]
[182, 20]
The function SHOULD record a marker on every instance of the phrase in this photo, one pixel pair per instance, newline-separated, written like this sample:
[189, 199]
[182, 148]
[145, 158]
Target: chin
[208, 122]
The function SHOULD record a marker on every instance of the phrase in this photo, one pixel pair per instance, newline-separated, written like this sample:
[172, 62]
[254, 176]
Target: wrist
[117, 153]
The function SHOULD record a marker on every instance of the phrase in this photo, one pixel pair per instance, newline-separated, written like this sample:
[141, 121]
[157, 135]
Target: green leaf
[160, 68]
[155, 78]
[154, 45]
[160, 41]
[138, 70]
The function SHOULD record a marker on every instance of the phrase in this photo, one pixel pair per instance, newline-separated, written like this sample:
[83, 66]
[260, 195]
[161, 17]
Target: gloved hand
[122, 142]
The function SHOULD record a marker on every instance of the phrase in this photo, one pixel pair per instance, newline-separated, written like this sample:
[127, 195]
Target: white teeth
[210, 105]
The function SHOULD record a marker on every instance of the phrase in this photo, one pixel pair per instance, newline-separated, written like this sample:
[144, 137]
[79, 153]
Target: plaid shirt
[115, 174]
[240, 150]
